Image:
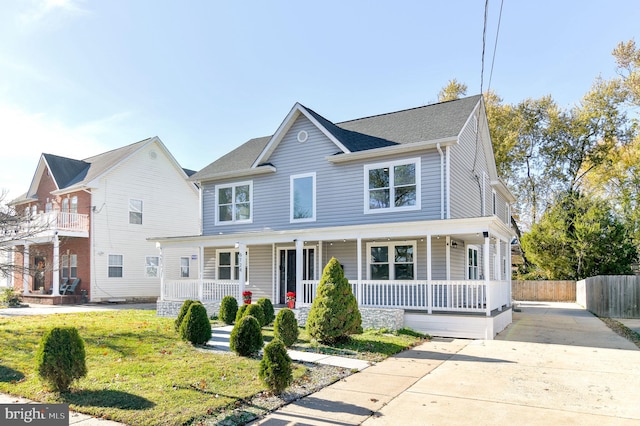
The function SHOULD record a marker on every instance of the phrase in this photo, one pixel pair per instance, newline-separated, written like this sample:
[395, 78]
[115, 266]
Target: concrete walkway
[556, 364]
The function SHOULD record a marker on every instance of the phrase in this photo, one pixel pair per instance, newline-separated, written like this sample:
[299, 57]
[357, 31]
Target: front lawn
[139, 372]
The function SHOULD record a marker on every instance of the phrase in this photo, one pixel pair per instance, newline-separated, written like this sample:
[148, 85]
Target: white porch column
[320, 265]
[299, 269]
[448, 258]
[359, 263]
[25, 270]
[242, 258]
[498, 271]
[56, 265]
[429, 290]
[487, 278]
[161, 267]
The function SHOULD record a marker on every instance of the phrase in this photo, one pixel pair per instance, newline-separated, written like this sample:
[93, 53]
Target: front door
[287, 271]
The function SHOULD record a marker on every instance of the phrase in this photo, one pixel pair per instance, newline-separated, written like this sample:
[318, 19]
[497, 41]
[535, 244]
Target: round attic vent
[302, 136]
[153, 155]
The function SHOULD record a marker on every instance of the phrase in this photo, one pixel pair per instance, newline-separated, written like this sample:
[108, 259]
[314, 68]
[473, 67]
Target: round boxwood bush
[267, 309]
[286, 327]
[275, 367]
[183, 311]
[246, 336]
[255, 311]
[334, 314]
[60, 358]
[195, 326]
[241, 309]
[228, 309]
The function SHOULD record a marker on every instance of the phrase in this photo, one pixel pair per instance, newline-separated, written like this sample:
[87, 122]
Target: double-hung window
[233, 203]
[229, 265]
[184, 267]
[152, 264]
[392, 261]
[303, 198]
[135, 212]
[69, 266]
[473, 269]
[116, 266]
[392, 186]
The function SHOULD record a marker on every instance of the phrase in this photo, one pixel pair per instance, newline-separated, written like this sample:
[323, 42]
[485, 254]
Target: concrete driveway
[556, 364]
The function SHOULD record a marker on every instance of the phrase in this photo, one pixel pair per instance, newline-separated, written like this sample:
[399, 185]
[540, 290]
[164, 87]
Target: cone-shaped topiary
[267, 310]
[228, 309]
[275, 367]
[246, 336]
[183, 311]
[195, 326]
[334, 314]
[241, 309]
[60, 358]
[286, 327]
[255, 311]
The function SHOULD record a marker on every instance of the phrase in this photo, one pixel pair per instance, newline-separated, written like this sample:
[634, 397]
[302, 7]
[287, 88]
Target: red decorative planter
[291, 304]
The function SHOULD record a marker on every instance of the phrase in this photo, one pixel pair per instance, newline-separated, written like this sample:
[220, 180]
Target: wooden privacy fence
[544, 291]
[613, 296]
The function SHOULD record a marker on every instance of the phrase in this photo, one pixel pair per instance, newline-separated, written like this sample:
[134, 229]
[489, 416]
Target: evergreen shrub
[241, 309]
[275, 367]
[183, 311]
[228, 309]
[195, 326]
[61, 358]
[334, 314]
[286, 327]
[267, 310]
[246, 336]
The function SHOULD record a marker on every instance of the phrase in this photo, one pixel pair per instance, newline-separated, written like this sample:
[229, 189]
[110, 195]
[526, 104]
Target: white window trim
[494, 202]
[391, 245]
[233, 265]
[507, 218]
[129, 211]
[291, 196]
[466, 263]
[233, 221]
[188, 266]
[146, 266]
[390, 164]
[109, 265]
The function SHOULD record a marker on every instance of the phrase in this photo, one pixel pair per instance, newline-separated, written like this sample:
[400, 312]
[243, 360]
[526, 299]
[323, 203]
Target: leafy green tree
[452, 91]
[334, 314]
[578, 237]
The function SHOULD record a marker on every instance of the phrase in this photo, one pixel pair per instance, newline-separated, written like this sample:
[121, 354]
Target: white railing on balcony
[55, 220]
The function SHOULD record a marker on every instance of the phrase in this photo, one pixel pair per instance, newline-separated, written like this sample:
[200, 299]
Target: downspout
[441, 181]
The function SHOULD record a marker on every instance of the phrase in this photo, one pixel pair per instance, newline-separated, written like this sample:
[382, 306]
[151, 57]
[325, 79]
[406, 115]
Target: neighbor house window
[69, 266]
[184, 267]
[391, 261]
[233, 202]
[135, 212]
[74, 204]
[472, 263]
[152, 264]
[116, 265]
[392, 186]
[303, 198]
[229, 265]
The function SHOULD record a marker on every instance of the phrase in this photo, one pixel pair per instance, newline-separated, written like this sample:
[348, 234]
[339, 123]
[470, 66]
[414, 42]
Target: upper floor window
[303, 198]
[392, 186]
[391, 261]
[151, 266]
[135, 212]
[48, 206]
[494, 203]
[74, 204]
[507, 213]
[233, 202]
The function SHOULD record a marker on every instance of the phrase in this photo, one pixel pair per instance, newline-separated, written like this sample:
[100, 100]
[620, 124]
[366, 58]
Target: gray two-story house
[409, 202]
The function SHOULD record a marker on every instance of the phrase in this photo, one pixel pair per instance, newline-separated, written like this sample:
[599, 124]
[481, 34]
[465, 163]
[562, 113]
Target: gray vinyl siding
[339, 187]
[260, 271]
[458, 258]
[346, 253]
[468, 174]
[438, 259]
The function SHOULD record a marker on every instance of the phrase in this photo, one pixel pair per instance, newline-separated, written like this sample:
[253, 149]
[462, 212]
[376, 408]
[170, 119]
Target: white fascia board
[262, 170]
[391, 150]
[503, 189]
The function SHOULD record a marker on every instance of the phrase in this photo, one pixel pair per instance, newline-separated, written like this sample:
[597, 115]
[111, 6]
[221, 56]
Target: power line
[495, 46]
[484, 39]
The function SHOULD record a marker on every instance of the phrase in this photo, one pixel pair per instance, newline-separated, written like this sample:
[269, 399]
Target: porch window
[233, 203]
[392, 186]
[229, 265]
[472, 263]
[116, 266]
[392, 261]
[184, 267]
[69, 267]
[152, 264]
[303, 198]
[135, 212]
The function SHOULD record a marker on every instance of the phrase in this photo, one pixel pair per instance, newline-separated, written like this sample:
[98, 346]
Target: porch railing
[211, 290]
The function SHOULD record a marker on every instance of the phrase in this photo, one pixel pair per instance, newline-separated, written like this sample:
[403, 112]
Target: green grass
[140, 372]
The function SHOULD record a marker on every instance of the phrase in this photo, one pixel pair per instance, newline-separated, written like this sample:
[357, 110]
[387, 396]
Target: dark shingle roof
[240, 158]
[66, 171]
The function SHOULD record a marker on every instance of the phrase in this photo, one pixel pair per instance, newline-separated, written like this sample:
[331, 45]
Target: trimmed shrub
[195, 326]
[334, 314]
[183, 311]
[61, 358]
[267, 309]
[275, 367]
[240, 313]
[255, 311]
[9, 297]
[246, 336]
[228, 309]
[286, 327]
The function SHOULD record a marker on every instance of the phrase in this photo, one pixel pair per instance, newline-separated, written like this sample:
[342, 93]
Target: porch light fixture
[454, 244]
[485, 234]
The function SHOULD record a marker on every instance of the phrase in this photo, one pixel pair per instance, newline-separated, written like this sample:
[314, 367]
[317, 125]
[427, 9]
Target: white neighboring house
[93, 219]
[409, 202]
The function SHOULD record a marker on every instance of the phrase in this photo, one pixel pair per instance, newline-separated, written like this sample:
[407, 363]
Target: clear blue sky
[82, 77]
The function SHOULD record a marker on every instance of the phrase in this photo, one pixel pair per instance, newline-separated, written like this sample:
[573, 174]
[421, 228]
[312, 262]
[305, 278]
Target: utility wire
[495, 46]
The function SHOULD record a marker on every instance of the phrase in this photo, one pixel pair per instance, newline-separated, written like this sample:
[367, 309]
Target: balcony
[46, 224]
